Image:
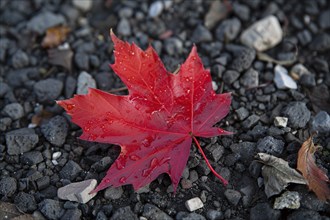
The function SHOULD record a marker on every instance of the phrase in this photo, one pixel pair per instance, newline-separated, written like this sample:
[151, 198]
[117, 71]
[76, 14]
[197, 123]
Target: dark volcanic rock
[270, 145]
[124, 214]
[51, 209]
[297, 113]
[21, 140]
[263, 211]
[70, 171]
[25, 202]
[55, 130]
[48, 89]
[8, 186]
[154, 213]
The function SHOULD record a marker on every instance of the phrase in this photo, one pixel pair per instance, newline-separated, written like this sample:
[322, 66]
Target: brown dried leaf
[61, 57]
[277, 174]
[37, 118]
[55, 36]
[317, 179]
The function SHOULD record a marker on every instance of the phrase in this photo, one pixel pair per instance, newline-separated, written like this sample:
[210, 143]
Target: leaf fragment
[317, 179]
[277, 174]
[55, 36]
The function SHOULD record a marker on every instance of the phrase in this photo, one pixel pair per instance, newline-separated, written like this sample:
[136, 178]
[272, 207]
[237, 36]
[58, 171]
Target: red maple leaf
[156, 122]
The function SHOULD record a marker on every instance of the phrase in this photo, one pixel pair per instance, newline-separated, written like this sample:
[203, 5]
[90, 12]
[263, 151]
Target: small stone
[70, 171]
[250, 78]
[8, 186]
[245, 150]
[306, 214]
[194, 204]
[14, 111]
[44, 20]
[113, 193]
[51, 209]
[280, 122]
[173, 46]
[270, 145]
[152, 212]
[304, 37]
[263, 35]
[78, 191]
[230, 76]
[282, 79]
[263, 211]
[25, 202]
[241, 11]
[324, 19]
[308, 80]
[82, 61]
[320, 42]
[124, 213]
[214, 215]
[102, 164]
[216, 151]
[85, 81]
[298, 70]
[56, 155]
[233, 196]
[124, 27]
[156, 9]
[201, 34]
[48, 89]
[84, 5]
[70, 86]
[243, 59]
[32, 158]
[21, 140]
[104, 81]
[20, 59]
[43, 182]
[251, 121]
[242, 113]
[297, 113]
[288, 199]
[55, 130]
[72, 214]
[228, 30]
[321, 122]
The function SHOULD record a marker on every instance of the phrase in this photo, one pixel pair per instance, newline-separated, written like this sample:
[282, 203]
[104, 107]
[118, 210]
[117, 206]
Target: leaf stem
[224, 182]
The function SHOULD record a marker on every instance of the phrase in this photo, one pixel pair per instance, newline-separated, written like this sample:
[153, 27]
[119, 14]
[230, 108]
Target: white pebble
[282, 79]
[194, 204]
[281, 121]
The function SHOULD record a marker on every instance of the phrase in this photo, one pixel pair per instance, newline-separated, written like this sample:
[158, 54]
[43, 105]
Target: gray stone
[233, 196]
[250, 78]
[320, 43]
[124, 27]
[194, 204]
[243, 59]
[20, 59]
[282, 79]
[230, 76]
[173, 46]
[308, 80]
[70, 171]
[113, 193]
[321, 122]
[241, 11]
[84, 5]
[324, 19]
[104, 81]
[8, 186]
[298, 114]
[14, 111]
[270, 145]
[44, 20]
[242, 113]
[78, 191]
[21, 140]
[5, 123]
[125, 12]
[48, 89]
[304, 37]
[216, 151]
[31, 158]
[263, 211]
[228, 29]
[298, 70]
[251, 121]
[201, 34]
[70, 86]
[263, 35]
[51, 209]
[25, 202]
[190, 216]
[82, 61]
[306, 214]
[102, 164]
[288, 199]
[214, 215]
[124, 213]
[151, 212]
[156, 9]
[85, 81]
[72, 214]
[55, 130]
[246, 150]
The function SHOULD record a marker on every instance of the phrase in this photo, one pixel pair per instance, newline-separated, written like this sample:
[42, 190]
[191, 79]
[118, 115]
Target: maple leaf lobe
[154, 124]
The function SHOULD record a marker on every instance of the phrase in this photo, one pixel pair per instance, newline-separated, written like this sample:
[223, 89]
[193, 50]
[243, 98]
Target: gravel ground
[277, 101]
